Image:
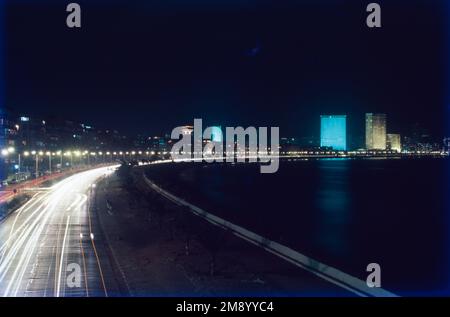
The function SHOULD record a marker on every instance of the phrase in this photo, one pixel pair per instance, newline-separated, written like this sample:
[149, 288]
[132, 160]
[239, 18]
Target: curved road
[52, 245]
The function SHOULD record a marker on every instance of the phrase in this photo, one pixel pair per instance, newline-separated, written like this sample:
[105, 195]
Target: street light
[19, 163]
[36, 154]
[70, 153]
[60, 153]
[49, 154]
[26, 154]
[78, 155]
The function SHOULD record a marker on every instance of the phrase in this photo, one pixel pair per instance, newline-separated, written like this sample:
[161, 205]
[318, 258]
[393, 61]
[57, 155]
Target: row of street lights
[8, 152]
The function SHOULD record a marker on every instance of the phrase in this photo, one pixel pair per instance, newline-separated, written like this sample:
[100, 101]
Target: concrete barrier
[326, 272]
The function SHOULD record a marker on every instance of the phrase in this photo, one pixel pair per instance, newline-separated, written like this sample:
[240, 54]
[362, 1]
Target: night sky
[149, 66]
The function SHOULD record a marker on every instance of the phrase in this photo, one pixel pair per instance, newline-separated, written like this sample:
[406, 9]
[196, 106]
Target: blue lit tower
[333, 132]
[216, 134]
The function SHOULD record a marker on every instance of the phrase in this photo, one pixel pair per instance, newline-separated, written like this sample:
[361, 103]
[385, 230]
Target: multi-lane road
[53, 245]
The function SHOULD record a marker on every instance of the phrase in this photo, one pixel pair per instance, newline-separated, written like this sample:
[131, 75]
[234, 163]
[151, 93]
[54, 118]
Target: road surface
[53, 246]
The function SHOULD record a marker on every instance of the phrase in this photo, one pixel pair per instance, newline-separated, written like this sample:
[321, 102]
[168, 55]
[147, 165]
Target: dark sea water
[343, 212]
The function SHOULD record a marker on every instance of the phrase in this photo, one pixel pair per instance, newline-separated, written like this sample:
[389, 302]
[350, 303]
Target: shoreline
[160, 266]
[291, 206]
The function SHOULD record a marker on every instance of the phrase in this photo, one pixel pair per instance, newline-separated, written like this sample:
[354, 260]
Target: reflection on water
[346, 213]
[333, 206]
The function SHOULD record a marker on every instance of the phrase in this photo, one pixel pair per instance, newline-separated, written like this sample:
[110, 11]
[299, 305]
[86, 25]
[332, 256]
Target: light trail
[29, 242]
[58, 290]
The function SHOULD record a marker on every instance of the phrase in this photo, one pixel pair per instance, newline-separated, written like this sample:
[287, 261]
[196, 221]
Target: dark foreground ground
[148, 235]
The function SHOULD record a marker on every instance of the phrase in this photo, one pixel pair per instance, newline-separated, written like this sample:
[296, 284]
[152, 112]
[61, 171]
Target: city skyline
[12, 127]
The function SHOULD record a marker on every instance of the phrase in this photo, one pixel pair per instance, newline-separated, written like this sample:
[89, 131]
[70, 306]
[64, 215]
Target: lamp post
[9, 151]
[60, 159]
[41, 153]
[93, 154]
[49, 154]
[36, 163]
[77, 155]
[26, 154]
[69, 153]
[19, 162]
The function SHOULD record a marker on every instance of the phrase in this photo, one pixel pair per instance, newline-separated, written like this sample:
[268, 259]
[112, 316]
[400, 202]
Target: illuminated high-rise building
[216, 134]
[333, 132]
[187, 130]
[375, 131]
[394, 142]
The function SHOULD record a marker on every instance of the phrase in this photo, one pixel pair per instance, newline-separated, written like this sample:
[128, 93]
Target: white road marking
[62, 257]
